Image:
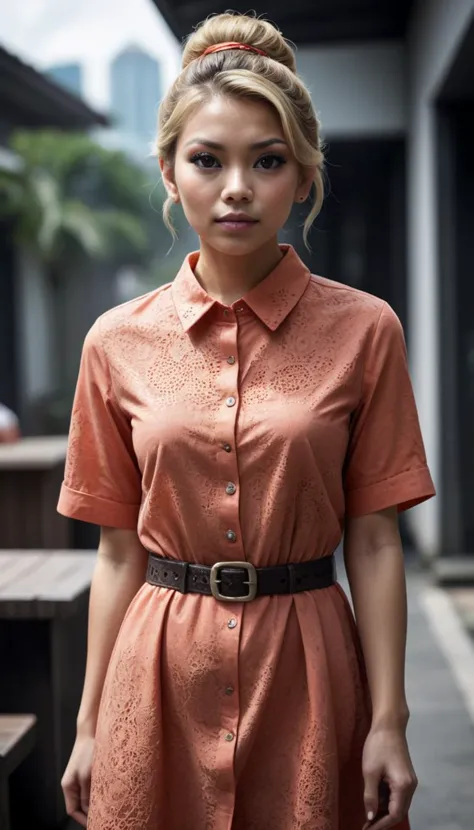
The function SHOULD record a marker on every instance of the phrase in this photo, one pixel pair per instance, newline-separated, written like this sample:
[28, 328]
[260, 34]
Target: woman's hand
[386, 758]
[76, 782]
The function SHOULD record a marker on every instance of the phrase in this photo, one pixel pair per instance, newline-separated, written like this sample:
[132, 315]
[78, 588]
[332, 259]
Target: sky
[43, 32]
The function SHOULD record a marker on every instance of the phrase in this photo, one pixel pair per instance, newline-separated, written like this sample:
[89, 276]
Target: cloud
[43, 32]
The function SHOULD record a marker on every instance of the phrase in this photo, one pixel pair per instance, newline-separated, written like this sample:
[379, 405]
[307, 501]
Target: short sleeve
[386, 462]
[102, 481]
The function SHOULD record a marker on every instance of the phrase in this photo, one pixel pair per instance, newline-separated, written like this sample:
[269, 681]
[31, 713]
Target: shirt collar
[271, 300]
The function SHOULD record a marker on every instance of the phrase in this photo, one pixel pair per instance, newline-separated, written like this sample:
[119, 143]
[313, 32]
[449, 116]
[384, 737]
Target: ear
[305, 183]
[167, 174]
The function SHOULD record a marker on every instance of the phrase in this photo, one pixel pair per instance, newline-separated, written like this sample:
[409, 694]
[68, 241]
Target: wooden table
[17, 737]
[43, 633]
[31, 472]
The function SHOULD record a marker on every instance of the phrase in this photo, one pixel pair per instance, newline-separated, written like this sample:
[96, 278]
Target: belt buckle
[252, 581]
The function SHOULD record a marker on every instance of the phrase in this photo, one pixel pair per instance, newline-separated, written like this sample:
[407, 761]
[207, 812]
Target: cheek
[197, 196]
[281, 185]
[188, 184]
[279, 194]
[198, 192]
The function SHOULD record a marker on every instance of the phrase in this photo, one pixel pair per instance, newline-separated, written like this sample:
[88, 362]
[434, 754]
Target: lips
[237, 218]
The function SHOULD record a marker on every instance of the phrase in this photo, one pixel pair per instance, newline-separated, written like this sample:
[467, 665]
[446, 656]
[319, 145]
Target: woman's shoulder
[341, 294]
[352, 304]
[138, 310]
[136, 313]
[129, 323]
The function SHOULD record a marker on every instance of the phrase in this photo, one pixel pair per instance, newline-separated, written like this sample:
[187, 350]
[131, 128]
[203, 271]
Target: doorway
[455, 177]
[456, 324]
[359, 237]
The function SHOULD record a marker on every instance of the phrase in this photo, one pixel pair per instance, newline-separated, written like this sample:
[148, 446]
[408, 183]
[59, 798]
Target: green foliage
[70, 197]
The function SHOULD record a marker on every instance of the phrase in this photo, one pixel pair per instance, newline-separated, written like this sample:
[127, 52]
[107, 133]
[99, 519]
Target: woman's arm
[375, 569]
[119, 573]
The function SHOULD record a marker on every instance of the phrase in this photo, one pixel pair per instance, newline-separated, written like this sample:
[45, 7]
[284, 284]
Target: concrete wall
[86, 293]
[51, 326]
[35, 326]
[436, 31]
[358, 89]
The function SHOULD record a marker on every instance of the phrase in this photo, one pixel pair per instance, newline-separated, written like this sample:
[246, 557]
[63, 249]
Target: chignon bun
[239, 28]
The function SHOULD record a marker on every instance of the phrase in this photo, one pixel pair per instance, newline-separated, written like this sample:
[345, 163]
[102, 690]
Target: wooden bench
[43, 640]
[17, 737]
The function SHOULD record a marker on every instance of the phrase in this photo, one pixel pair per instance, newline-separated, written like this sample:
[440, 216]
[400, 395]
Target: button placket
[227, 469]
[227, 481]
[229, 696]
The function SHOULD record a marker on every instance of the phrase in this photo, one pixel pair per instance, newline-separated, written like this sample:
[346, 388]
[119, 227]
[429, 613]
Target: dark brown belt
[240, 581]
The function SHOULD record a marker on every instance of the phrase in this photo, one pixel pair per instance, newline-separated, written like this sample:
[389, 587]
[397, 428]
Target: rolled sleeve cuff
[97, 510]
[403, 491]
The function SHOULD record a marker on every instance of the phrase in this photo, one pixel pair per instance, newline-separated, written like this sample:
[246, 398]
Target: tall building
[135, 93]
[68, 75]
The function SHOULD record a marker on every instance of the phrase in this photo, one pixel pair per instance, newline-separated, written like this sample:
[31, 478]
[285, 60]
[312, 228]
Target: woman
[247, 413]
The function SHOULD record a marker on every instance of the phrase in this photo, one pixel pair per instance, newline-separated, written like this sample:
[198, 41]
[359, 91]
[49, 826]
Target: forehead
[232, 121]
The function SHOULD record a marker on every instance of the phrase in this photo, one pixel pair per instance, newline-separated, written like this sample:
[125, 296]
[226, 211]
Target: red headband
[221, 47]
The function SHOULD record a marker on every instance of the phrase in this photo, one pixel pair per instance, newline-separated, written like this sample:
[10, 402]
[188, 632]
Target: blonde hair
[243, 74]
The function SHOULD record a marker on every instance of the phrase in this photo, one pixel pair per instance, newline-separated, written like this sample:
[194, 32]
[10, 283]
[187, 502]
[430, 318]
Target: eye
[204, 161]
[270, 162]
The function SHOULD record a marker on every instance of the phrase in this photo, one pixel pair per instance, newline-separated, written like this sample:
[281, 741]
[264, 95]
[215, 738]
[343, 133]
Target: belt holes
[194, 578]
[176, 577]
[283, 580]
[204, 579]
[165, 574]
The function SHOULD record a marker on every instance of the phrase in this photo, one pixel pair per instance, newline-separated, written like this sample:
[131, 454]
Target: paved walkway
[441, 731]
[463, 599]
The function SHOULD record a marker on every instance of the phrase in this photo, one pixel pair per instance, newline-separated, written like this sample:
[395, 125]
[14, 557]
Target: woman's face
[235, 175]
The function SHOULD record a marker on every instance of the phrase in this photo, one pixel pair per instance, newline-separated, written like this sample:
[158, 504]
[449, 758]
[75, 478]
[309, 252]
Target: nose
[237, 187]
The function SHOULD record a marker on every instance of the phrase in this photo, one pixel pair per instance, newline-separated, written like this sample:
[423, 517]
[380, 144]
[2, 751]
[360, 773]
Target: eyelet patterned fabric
[324, 426]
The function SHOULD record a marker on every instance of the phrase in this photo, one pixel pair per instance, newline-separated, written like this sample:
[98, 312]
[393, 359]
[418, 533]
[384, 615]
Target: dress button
[227, 447]
[231, 359]
[230, 489]
[229, 736]
[230, 401]
[231, 537]
[229, 690]
[232, 623]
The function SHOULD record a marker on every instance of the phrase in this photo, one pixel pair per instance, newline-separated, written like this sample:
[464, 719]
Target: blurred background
[81, 230]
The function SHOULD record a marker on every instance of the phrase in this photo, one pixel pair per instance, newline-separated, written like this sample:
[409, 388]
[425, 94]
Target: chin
[238, 245]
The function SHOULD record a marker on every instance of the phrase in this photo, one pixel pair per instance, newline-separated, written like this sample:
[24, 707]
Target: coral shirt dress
[246, 432]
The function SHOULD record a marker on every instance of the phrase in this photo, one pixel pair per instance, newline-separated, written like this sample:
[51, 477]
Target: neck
[228, 278]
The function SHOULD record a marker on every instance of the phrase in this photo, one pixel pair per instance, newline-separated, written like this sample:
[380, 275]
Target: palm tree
[68, 196]
[68, 200]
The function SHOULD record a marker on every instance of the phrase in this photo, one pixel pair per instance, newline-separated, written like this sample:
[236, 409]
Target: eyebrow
[259, 145]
